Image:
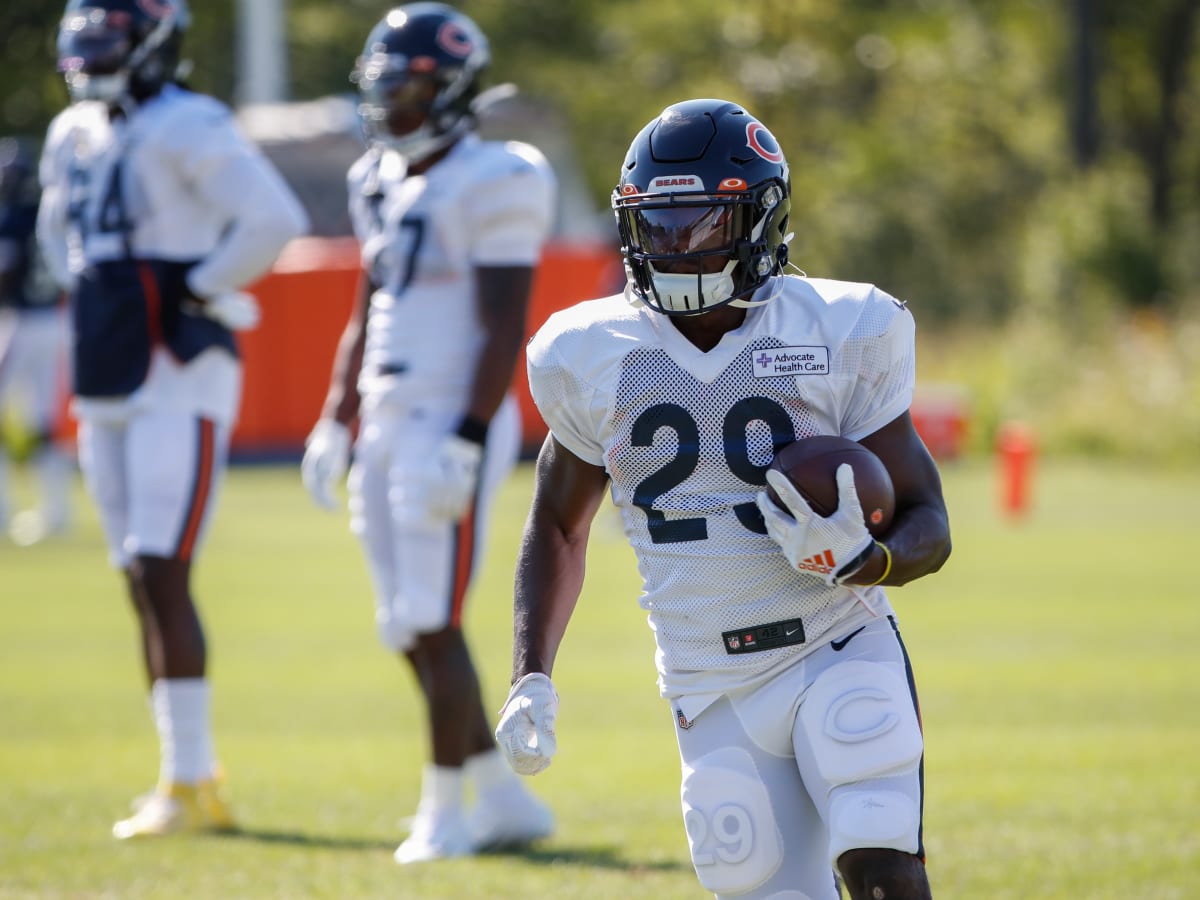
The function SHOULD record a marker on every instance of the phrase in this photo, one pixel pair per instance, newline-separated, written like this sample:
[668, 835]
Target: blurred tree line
[979, 158]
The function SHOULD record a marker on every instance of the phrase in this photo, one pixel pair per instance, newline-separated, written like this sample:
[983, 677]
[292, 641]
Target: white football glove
[236, 310]
[526, 730]
[831, 548]
[456, 473]
[326, 459]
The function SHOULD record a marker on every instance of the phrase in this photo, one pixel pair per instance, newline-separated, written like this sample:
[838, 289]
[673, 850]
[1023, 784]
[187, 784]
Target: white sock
[184, 734]
[490, 773]
[493, 779]
[441, 788]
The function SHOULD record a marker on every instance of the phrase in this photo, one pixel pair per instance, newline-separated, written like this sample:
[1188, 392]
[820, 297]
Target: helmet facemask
[689, 252]
[414, 113]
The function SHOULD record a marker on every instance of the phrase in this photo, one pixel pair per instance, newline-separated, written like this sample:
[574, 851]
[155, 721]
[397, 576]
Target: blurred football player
[789, 688]
[451, 227]
[33, 346]
[155, 211]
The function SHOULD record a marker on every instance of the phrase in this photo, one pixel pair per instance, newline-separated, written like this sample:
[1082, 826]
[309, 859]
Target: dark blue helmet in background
[418, 76]
[120, 50]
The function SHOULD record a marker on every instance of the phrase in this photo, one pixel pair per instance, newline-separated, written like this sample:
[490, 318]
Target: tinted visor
[681, 229]
[94, 41]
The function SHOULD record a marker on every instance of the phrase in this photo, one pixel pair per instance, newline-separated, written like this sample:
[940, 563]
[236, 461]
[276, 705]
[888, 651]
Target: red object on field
[1015, 451]
[940, 415]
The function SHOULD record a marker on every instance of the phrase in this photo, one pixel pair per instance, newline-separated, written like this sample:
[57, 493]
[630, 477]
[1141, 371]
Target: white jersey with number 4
[685, 437]
[174, 181]
[487, 203]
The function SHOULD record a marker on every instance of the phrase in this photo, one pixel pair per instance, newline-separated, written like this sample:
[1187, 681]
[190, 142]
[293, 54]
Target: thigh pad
[732, 834]
[860, 720]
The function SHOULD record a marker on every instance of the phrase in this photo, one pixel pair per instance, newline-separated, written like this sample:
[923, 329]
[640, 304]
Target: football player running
[451, 227]
[33, 348]
[155, 212]
[791, 693]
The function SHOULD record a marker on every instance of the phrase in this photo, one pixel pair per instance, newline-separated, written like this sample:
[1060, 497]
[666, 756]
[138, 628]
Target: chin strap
[761, 297]
[417, 150]
[493, 95]
[415, 146]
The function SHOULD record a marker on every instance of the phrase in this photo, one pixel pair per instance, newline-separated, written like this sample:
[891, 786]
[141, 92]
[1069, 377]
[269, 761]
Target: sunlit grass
[1055, 657]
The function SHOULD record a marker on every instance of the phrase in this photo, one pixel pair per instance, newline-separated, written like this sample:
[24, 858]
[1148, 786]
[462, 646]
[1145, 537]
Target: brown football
[811, 465]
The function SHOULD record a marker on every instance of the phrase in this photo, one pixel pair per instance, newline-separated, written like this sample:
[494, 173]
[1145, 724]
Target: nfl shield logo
[682, 719]
[734, 643]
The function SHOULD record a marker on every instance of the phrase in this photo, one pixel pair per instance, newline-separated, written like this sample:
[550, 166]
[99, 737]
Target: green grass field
[1058, 661]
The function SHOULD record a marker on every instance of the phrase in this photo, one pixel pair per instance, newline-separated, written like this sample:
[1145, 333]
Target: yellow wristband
[887, 564]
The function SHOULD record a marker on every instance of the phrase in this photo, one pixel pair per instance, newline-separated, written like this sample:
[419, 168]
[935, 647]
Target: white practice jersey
[176, 181]
[686, 436]
[487, 203]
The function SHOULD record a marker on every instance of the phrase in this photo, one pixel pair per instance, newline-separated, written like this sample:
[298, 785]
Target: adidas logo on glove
[822, 563]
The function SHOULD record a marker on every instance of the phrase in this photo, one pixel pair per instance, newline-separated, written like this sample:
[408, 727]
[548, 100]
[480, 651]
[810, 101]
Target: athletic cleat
[218, 780]
[140, 801]
[438, 835]
[509, 819]
[178, 808]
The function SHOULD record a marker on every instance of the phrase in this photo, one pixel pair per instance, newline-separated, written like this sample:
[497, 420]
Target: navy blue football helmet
[702, 209]
[418, 76]
[118, 50]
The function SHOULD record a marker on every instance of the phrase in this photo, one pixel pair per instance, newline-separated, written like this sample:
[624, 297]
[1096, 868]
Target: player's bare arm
[550, 570]
[341, 402]
[550, 564]
[502, 299]
[501, 295]
[919, 539]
